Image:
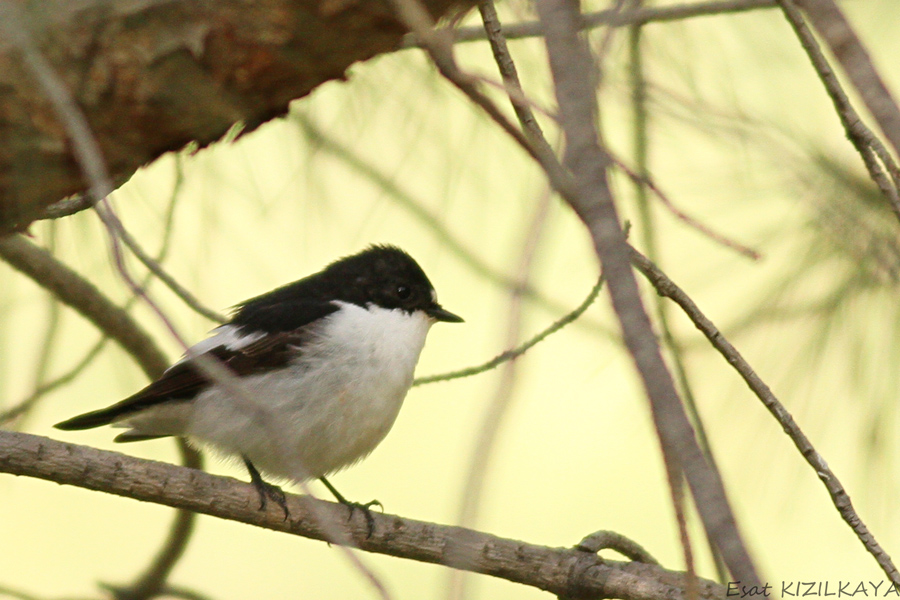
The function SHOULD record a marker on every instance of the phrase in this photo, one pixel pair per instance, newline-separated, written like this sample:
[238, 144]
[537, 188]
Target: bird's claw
[366, 510]
[267, 491]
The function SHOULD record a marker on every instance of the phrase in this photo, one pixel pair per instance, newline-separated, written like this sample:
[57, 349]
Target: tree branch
[152, 76]
[78, 293]
[667, 288]
[869, 146]
[561, 571]
[614, 18]
[570, 65]
[849, 50]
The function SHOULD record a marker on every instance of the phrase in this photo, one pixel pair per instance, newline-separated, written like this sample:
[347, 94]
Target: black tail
[107, 416]
[95, 418]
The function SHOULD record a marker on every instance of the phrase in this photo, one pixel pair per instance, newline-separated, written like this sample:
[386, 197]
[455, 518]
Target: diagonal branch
[570, 62]
[78, 293]
[848, 49]
[874, 155]
[667, 288]
[561, 571]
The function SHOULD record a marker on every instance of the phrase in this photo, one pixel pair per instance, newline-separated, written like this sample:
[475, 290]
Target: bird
[324, 365]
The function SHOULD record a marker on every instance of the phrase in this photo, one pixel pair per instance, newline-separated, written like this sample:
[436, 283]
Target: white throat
[388, 341]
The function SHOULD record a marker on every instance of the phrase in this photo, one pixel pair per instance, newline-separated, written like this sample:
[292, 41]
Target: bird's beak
[437, 313]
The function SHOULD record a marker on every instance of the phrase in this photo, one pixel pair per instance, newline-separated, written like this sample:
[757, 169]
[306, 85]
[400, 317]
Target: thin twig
[647, 180]
[601, 48]
[112, 221]
[606, 17]
[870, 148]
[67, 207]
[510, 75]
[51, 331]
[848, 49]
[556, 570]
[666, 287]
[81, 295]
[613, 540]
[438, 44]
[517, 352]
[517, 95]
[26, 404]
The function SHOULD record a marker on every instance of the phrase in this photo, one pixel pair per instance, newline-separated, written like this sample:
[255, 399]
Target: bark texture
[151, 76]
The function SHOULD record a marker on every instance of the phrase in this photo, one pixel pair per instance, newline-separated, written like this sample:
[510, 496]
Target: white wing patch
[227, 335]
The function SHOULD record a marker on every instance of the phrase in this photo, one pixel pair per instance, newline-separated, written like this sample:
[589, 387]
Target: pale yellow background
[577, 451]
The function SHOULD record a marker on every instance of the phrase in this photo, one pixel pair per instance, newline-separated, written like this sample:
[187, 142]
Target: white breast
[331, 406]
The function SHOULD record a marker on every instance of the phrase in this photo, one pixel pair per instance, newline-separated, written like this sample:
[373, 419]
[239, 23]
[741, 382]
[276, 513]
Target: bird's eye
[403, 292]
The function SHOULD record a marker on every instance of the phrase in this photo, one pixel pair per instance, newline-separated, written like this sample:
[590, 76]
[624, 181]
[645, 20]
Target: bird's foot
[366, 510]
[354, 506]
[267, 491]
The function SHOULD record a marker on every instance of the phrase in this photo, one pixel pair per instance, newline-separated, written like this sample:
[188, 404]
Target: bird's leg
[266, 490]
[365, 508]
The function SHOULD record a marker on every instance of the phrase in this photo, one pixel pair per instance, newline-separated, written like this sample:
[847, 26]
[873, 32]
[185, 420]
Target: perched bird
[324, 363]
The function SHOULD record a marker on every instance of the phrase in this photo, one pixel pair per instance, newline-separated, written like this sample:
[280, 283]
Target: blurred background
[741, 136]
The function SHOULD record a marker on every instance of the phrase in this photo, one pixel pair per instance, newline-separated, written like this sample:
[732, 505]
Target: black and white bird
[324, 362]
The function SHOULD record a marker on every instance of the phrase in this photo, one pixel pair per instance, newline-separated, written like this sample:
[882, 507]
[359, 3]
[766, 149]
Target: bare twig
[109, 217]
[81, 295]
[51, 330]
[666, 287]
[556, 570]
[601, 48]
[67, 207]
[570, 62]
[866, 143]
[26, 404]
[848, 49]
[612, 540]
[647, 180]
[438, 43]
[517, 352]
[510, 75]
[608, 17]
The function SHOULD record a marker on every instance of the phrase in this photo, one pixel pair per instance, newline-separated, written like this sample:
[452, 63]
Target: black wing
[183, 381]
